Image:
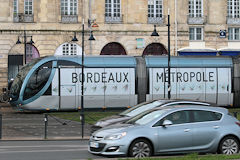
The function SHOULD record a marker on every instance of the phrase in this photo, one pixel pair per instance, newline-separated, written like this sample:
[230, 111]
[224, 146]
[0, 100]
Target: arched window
[155, 49]
[113, 48]
[31, 53]
[69, 49]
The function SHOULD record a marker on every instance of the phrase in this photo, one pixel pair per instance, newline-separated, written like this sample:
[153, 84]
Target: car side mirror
[167, 123]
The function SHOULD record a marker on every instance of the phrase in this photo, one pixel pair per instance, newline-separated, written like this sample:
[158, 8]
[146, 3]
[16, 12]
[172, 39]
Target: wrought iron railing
[197, 20]
[69, 18]
[21, 17]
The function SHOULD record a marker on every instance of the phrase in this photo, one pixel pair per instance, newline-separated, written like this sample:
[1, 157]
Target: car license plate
[94, 145]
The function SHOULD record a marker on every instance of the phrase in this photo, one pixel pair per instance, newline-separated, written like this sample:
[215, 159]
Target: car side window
[202, 116]
[178, 117]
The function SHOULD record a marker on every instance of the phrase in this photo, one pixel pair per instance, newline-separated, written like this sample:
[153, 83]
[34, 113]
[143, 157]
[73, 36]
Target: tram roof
[103, 61]
[187, 62]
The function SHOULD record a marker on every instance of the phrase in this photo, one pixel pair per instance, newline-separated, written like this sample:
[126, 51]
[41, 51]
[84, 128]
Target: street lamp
[169, 58]
[25, 44]
[154, 33]
[74, 39]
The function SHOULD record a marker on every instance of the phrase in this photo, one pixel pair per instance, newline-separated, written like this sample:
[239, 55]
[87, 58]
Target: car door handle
[215, 127]
[186, 130]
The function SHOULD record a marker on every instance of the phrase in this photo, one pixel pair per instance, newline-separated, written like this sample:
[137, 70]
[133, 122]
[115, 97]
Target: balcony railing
[21, 17]
[233, 20]
[112, 19]
[69, 18]
[156, 20]
[197, 20]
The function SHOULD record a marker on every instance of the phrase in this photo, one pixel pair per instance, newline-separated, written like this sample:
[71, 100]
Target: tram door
[68, 98]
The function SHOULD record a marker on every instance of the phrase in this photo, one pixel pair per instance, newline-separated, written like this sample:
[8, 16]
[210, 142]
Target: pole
[0, 126]
[25, 46]
[169, 56]
[82, 82]
[45, 125]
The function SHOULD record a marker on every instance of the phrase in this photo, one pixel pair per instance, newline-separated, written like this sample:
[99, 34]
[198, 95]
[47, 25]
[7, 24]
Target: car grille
[99, 149]
[96, 138]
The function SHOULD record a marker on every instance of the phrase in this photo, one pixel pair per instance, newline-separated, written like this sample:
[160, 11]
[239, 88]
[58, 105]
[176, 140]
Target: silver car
[172, 129]
[131, 112]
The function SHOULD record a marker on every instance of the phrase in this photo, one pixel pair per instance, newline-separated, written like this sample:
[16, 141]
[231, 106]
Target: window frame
[69, 49]
[233, 10]
[28, 7]
[195, 34]
[69, 7]
[232, 33]
[194, 7]
[15, 6]
[110, 7]
[155, 9]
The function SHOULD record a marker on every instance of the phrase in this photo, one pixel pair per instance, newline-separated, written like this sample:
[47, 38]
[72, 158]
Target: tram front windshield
[18, 81]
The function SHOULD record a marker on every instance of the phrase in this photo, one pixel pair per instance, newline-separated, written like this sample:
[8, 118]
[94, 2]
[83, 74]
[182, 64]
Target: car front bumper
[108, 147]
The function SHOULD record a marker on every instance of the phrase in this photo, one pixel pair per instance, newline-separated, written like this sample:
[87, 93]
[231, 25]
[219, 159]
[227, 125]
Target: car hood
[116, 128]
[111, 120]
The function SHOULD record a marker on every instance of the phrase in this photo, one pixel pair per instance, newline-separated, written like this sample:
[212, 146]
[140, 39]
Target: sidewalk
[31, 126]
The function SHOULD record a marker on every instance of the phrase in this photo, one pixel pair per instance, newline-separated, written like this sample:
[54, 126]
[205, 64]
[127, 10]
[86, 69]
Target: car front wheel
[229, 145]
[140, 148]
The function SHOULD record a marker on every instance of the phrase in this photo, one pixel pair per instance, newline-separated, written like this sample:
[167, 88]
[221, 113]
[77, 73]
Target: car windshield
[18, 81]
[141, 108]
[146, 117]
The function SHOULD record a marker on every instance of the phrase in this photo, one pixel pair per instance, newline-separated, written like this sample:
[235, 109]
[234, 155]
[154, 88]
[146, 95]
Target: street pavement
[31, 126]
[46, 150]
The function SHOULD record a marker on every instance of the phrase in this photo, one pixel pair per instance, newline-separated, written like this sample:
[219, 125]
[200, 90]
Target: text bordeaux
[187, 77]
[104, 77]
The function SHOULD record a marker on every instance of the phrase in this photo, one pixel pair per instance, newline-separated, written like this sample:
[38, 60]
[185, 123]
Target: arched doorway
[113, 48]
[16, 58]
[68, 49]
[31, 53]
[155, 49]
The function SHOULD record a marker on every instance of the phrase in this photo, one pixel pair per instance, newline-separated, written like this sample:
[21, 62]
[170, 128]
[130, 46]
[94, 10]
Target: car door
[206, 128]
[175, 137]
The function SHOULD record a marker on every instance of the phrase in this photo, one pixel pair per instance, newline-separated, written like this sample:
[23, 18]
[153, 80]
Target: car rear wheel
[140, 148]
[229, 145]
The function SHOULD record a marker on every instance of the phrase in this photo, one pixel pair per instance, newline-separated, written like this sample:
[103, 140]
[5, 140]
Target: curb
[48, 139]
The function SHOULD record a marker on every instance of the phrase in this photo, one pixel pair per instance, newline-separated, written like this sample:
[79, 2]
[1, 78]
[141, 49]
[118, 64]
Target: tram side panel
[204, 84]
[103, 87]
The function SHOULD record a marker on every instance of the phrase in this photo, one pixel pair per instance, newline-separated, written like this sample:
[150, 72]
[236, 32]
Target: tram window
[17, 83]
[37, 80]
[63, 63]
[49, 90]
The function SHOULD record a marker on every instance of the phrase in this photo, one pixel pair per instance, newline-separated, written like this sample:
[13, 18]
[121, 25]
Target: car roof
[166, 101]
[192, 107]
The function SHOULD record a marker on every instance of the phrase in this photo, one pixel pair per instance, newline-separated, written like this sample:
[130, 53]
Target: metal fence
[40, 126]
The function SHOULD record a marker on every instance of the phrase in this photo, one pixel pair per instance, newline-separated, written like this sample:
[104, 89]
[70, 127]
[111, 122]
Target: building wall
[49, 33]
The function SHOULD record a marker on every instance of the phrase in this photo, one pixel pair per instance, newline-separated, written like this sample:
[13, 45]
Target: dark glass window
[37, 80]
[178, 117]
[17, 83]
[202, 116]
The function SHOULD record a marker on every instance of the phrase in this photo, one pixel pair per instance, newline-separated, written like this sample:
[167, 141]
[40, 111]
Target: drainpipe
[176, 29]
[90, 26]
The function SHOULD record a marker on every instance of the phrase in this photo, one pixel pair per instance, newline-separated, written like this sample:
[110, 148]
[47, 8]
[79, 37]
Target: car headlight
[98, 123]
[116, 136]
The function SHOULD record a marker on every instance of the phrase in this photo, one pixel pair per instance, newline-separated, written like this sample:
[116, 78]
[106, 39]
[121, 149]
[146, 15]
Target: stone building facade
[119, 26]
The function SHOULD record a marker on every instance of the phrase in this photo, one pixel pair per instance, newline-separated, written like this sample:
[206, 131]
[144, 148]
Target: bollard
[235, 114]
[0, 126]
[46, 123]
